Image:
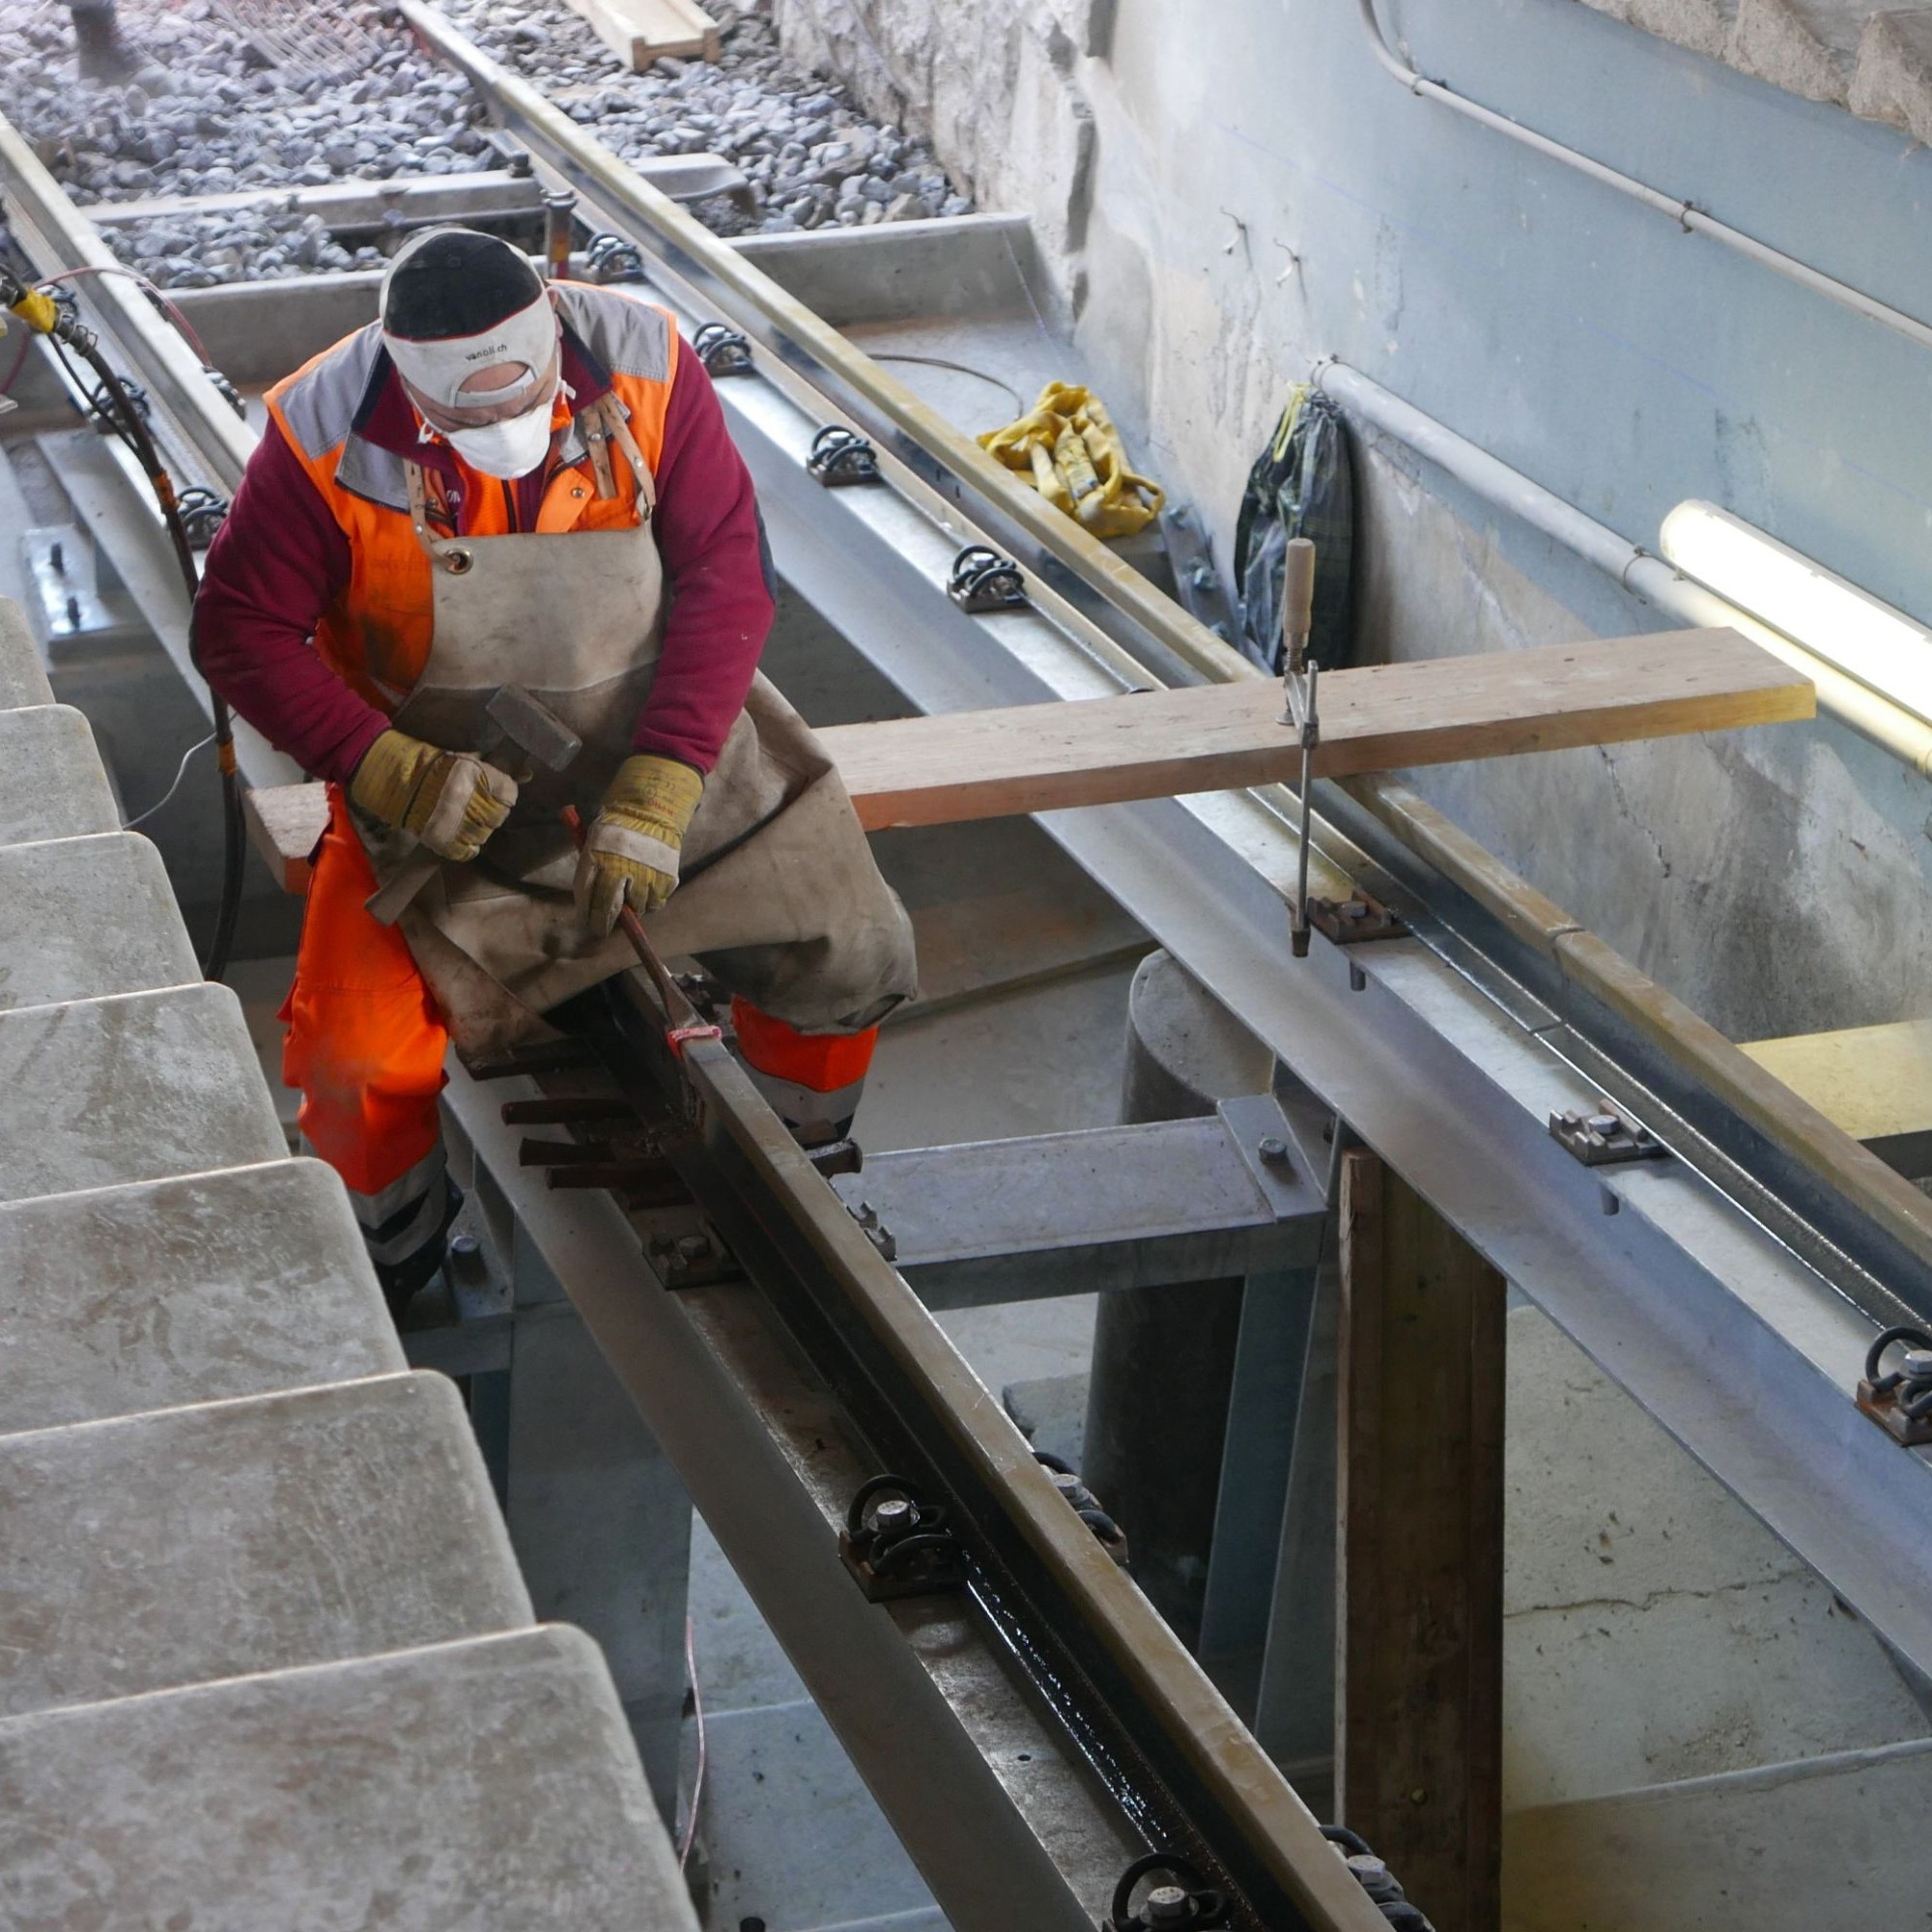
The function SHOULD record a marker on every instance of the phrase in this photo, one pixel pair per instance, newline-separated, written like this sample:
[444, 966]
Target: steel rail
[172, 372]
[1097, 584]
[886, 407]
[1114, 1675]
[1005, 1827]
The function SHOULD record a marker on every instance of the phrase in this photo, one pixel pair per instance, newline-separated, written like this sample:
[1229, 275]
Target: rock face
[1878, 64]
[340, 94]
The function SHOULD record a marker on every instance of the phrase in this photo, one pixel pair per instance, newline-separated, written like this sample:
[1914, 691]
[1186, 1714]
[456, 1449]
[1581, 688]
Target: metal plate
[60, 567]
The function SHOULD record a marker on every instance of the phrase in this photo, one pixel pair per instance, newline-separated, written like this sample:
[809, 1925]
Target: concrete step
[52, 782]
[200, 1290]
[23, 680]
[488, 1784]
[87, 918]
[230, 1538]
[135, 1088]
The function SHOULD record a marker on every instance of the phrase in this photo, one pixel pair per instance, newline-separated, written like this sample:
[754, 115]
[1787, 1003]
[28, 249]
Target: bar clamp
[1178, 1900]
[1298, 676]
[724, 351]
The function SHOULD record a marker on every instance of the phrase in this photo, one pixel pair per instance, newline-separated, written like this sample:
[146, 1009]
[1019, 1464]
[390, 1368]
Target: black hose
[125, 421]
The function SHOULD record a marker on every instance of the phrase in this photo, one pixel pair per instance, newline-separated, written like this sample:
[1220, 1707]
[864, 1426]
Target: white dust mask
[508, 450]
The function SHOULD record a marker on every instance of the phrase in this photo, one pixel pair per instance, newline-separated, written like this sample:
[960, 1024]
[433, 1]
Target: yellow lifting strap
[1068, 448]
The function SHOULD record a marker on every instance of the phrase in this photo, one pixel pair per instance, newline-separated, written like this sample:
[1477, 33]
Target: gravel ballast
[343, 93]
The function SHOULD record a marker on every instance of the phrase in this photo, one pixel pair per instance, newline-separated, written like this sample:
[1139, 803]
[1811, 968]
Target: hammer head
[539, 731]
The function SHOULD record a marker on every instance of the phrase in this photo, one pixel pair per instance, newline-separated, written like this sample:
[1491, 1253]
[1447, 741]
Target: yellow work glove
[632, 848]
[452, 801]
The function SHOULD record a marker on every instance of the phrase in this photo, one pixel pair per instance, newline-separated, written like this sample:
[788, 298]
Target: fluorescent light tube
[1848, 627]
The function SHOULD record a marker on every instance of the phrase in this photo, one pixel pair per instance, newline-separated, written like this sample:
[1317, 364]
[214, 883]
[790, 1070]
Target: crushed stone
[342, 93]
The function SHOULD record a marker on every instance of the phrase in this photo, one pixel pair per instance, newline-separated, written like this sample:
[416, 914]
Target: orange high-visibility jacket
[376, 636]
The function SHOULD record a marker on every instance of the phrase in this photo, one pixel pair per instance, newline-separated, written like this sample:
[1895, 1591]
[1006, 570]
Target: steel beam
[46, 224]
[1110, 1208]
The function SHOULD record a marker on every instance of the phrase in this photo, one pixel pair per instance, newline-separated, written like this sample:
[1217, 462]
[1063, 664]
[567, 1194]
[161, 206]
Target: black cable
[117, 410]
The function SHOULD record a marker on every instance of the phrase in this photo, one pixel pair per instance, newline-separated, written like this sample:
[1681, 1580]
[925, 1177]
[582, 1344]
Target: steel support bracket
[1603, 1139]
[723, 351]
[983, 581]
[1356, 919]
[61, 565]
[840, 457]
[897, 1547]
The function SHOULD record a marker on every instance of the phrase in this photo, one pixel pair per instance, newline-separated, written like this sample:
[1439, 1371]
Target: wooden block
[980, 764]
[1419, 1563]
[286, 822]
[1875, 1081]
[639, 32]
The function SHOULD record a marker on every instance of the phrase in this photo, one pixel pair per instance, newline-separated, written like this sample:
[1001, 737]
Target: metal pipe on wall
[1689, 217]
[1886, 723]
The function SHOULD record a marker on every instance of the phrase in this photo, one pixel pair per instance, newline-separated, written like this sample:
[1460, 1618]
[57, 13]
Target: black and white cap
[454, 302]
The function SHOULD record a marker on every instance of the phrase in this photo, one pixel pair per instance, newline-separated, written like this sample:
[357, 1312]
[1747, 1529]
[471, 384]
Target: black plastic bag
[1302, 485]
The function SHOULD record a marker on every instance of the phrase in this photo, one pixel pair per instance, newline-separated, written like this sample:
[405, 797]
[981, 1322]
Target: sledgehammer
[521, 720]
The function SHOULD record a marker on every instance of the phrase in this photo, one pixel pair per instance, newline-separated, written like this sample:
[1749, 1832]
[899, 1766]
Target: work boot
[402, 1280]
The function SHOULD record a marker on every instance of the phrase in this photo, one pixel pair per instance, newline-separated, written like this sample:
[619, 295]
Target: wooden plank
[980, 764]
[1041, 757]
[1419, 1560]
[639, 32]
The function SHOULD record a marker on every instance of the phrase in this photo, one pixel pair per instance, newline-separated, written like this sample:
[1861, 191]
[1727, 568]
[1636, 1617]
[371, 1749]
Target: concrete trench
[1671, 1668]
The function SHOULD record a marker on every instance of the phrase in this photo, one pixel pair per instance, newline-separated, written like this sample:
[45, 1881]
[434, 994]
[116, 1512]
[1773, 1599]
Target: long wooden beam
[986, 764]
[1159, 744]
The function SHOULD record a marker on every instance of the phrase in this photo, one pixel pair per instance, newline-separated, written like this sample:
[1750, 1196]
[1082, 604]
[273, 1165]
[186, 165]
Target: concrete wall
[1175, 156]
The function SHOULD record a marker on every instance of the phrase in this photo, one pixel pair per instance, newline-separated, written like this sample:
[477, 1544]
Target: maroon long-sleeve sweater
[280, 558]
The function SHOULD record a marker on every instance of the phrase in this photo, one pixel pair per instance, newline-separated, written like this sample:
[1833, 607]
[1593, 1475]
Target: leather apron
[779, 896]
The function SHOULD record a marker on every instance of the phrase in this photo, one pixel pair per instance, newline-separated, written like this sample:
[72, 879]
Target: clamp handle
[1297, 602]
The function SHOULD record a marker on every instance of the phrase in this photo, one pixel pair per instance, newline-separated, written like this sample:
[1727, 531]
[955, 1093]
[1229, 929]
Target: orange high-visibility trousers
[365, 1045]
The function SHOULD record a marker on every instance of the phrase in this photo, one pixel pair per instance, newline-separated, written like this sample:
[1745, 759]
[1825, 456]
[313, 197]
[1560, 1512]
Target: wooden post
[1418, 1678]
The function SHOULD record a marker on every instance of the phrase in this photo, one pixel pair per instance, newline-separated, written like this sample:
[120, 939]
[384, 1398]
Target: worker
[508, 483]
